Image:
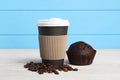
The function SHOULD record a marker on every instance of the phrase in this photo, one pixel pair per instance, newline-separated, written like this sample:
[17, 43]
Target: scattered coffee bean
[49, 71]
[48, 68]
[40, 72]
[65, 69]
[70, 68]
[25, 66]
[75, 69]
[59, 69]
[56, 72]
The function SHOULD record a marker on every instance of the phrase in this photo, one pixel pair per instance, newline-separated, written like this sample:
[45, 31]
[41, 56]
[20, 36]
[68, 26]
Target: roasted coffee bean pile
[48, 68]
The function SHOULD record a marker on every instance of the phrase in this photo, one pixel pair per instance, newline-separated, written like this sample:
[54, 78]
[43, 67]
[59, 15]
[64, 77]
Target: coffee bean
[25, 66]
[43, 68]
[75, 69]
[31, 62]
[70, 68]
[59, 69]
[49, 71]
[40, 72]
[56, 72]
[65, 69]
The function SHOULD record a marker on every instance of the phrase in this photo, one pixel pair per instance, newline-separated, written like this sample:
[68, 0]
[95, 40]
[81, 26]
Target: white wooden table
[106, 66]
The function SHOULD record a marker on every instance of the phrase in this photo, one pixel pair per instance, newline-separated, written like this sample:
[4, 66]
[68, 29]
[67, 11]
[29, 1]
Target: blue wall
[95, 22]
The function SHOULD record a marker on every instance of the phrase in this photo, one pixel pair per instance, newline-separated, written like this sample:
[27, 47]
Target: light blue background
[96, 22]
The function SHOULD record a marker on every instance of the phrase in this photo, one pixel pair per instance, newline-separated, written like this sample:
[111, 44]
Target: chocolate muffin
[80, 53]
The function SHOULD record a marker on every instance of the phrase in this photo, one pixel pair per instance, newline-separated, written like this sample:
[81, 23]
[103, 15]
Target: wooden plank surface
[59, 4]
[81, 22]
[31, 41]
[18, 19]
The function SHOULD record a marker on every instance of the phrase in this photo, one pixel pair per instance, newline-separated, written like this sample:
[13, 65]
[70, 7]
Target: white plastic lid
[53, 22]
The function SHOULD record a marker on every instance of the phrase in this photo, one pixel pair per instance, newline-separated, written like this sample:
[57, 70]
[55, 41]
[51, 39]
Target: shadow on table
[24, 61]
[29, 60]
[66, 61]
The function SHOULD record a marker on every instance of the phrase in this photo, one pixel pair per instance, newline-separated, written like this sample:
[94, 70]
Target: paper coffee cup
[53, 40]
